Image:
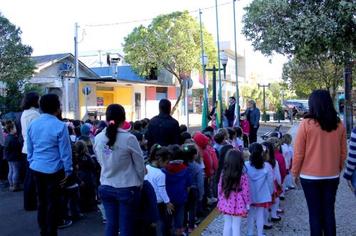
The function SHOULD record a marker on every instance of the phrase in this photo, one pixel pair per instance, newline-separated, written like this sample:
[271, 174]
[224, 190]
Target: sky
[48, 26]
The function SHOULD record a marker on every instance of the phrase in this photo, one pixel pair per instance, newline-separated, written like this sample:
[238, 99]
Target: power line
[149, 19]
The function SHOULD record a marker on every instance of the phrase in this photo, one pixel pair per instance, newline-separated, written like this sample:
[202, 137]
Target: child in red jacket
[207, 152]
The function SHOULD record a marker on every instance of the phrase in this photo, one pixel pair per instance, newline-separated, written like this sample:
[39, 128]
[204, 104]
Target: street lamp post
[264, 86]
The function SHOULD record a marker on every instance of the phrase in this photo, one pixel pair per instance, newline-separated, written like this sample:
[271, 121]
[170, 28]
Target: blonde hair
[287, 138]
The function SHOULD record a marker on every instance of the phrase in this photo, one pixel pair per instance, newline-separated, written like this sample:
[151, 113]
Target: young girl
[159, 157]
[239, 143]
[288, 152]
[12, 151]
[261, 188]
[234, 193]
[277, 180]
[245, 126]
[196, 191]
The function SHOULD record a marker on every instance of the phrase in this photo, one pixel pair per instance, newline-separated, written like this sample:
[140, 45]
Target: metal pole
[218, 42]
[237, 105]
[205, 103]
[214, 86]
[186, 102]
[76, 80]
[348, 98]
[264, 104]
[66, 87]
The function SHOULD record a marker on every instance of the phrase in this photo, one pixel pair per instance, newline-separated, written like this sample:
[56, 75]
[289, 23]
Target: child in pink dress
[245, 126]
[234, 193]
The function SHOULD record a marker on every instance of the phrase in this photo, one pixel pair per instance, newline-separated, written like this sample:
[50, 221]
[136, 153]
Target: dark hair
[183, 137]
[159, 153]
[270, 151]
[115, 115]
[145, 122]
[89, 121]
[49, 103]
[137, 125]
[222, 155]
[238, 131]
[219, 138]
[322, 110]
[176, 152]
[80, 149]
[165, 106]
[9, 125]
[232, 172]
[231, 132]
[256, 158]
[232, 98]
[189, 152]
[183, 128]
[30, 100]
[209, 129]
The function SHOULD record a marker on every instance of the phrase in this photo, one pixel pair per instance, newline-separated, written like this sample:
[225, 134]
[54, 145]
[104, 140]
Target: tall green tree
[305, 76]
[306, 30]
[16, 65]
[170, 42]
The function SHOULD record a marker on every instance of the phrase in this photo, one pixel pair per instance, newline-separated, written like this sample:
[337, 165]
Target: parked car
[298, 107]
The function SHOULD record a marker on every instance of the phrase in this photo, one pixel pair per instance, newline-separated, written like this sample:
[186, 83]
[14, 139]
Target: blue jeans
[320, 196]
[14, 172]
[121, 206]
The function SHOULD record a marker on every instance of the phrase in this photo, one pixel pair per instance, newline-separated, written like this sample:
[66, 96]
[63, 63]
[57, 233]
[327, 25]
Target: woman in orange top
[320, 152]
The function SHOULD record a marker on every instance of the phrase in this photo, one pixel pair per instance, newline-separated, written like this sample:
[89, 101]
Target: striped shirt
[351, 159]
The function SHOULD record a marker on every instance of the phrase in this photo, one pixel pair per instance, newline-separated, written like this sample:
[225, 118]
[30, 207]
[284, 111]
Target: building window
[161, 93]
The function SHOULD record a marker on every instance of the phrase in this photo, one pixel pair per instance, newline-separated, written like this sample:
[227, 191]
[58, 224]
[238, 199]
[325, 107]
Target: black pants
[253, 134]
[29, 190]
[246, 141]
[164, 220]
[320, 196]
[49, 201]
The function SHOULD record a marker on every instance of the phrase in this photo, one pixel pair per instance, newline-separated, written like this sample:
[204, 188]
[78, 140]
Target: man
[230, 112]
[50, 158]
[253, 115]
[163, 129]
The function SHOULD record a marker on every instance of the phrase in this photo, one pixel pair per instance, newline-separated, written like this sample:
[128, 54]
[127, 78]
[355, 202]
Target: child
[261, 188]
[234, 193]
[178, 182]
[220, 140]
[270, 158]
[239, 143]
[159, 157]
[210, 160]
[281, 162]
[287, 151]
[245, 125]
[196, 191]
[86, 174]
[12, 151]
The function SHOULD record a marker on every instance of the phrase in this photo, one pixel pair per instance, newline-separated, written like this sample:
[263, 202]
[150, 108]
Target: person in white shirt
[30, 105]
[159, 157]
[122, 173]
[288, 152]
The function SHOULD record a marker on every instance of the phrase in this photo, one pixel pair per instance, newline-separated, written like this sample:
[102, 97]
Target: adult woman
[30, 112]
[122, 172]
[253, 115]
[320, 152]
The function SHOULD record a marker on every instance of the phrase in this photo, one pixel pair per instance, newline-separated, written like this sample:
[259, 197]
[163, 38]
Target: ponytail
[115, 116]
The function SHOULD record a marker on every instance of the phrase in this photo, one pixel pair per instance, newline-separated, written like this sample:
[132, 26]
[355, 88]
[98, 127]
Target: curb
[288, 125]
[205, 223]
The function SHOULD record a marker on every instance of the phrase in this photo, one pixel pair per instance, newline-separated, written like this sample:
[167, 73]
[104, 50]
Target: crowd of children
[184, 180]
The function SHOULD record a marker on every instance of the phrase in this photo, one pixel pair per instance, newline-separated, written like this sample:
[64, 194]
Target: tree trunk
[181, 93]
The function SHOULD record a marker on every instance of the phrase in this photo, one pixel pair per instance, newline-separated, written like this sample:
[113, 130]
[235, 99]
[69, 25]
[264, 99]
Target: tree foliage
[305, 76]
[303, 28]
[170, 42]
[15, 64]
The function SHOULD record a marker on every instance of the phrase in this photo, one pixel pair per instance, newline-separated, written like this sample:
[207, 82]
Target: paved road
[16, 222]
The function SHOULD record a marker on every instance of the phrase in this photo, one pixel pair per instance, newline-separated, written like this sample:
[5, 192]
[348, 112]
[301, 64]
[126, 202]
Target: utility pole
[76, 79]
[219, 106]
[237, 104]
[348, 98]
[264, 86]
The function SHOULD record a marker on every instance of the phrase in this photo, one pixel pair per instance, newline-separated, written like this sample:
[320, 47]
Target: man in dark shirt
[163, 129]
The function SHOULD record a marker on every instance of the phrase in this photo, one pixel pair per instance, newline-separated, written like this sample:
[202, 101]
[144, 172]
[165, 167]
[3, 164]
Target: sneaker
[291, 187]
[212, 200]
[282, 198]
[280, 211]
[65, 224]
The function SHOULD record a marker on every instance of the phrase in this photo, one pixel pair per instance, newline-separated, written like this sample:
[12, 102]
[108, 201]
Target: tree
[170, 42]
[306, 30]
[15, 64]
[304, 77]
